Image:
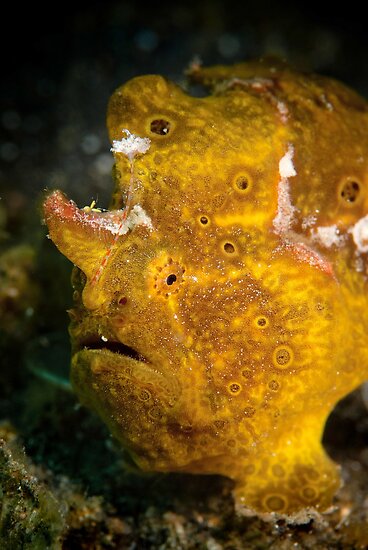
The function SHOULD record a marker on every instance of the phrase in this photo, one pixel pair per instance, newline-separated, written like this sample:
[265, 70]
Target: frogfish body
[221, 305]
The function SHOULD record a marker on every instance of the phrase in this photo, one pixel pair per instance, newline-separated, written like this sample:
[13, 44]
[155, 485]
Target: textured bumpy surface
[220, 304]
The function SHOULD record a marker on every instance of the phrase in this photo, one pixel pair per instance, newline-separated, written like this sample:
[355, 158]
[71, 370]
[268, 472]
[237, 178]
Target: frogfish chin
[221, 303]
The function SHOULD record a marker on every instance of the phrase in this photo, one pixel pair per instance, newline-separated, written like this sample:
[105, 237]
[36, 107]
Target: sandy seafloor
[64, 482]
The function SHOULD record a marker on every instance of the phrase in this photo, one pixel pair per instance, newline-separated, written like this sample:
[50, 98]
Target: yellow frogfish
[220, 304]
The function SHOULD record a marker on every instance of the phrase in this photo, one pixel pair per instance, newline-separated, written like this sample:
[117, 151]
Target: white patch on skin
[261, 84]
[359, 263]
[131, 145]
[111, 221]
[285, 210]
[360, 234]
[285, 218]
[138, 216]
[309, 221]
[328, 236]
[283, 111]
[310, 256]
[286, 166]
[326, 103]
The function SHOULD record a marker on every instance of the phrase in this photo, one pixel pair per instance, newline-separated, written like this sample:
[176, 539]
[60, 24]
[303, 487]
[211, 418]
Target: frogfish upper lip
[96, 343]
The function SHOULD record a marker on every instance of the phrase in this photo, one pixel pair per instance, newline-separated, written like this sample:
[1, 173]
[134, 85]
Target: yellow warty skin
[218, 335]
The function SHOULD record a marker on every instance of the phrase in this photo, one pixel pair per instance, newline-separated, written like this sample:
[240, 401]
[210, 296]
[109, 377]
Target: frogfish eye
[160, 127]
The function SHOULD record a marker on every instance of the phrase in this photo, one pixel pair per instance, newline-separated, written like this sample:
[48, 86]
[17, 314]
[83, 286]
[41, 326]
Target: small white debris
[103, 338]
[309, 221]
[131, 145]
[260, 84]
[360, 234]
[286, 166]
[359, 263]
[283, 111]
[328, 236]
[326, 103]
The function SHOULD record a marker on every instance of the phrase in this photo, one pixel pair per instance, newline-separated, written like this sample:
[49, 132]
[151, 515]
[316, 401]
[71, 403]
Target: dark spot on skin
[234, 388]
[122, 301]
[350, 191]
[229, 248]
[262, 322]
[171, 279]
[242, 183]
[203, 220]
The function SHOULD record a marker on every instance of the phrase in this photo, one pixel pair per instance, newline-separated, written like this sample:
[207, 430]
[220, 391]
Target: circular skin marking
[283, 357]
[273, 385]
[309, 493]
[350, 192]
[229, 248]
[275, 503]
[144, 395]
[261, 322]
[242, 183]
[234, 388]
